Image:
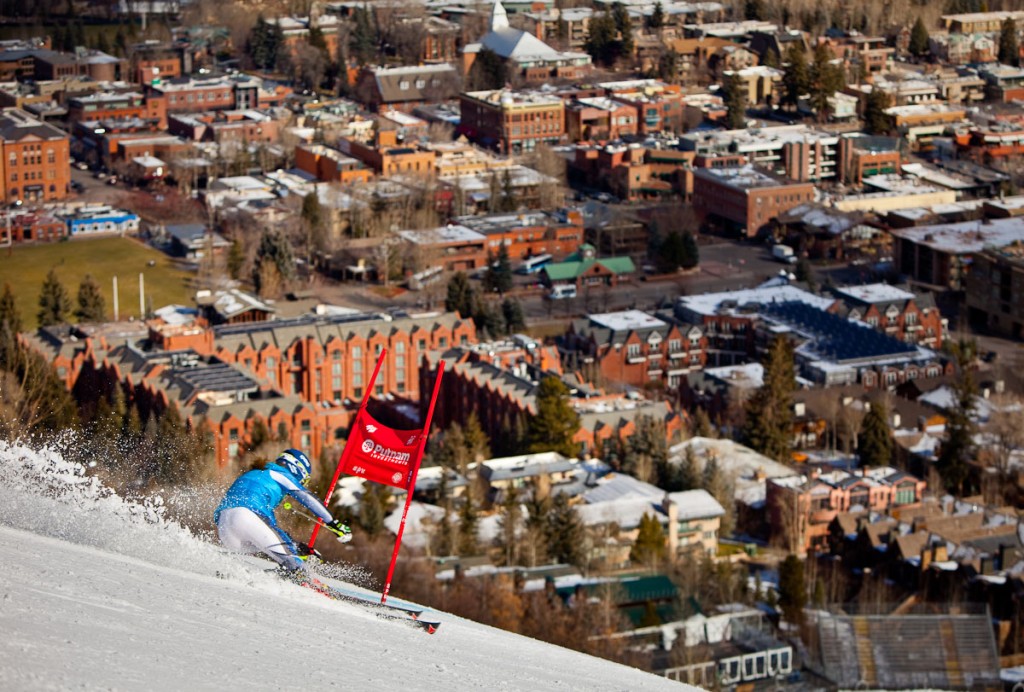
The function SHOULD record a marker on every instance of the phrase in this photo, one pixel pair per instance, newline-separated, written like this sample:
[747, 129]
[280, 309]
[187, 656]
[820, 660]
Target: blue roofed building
[101, 219]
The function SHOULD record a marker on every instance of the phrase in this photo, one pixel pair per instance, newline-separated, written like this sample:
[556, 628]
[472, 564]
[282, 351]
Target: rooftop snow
[729, 302]
[965, 237]
[627, 320]
[875, 293]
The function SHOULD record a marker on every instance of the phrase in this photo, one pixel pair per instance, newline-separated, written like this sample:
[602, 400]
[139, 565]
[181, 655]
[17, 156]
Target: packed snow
[103, 593]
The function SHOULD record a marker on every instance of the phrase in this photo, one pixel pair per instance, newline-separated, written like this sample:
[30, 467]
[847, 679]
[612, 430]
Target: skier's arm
[308, 499]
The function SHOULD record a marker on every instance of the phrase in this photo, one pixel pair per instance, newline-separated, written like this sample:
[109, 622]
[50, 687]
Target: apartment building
[659, 105]
[331, 165]
[632, 347]
[112, 105]
[805, 505]
[512, 122]
[35, 164]
[995, 290]
[745, 198]
[795, 151]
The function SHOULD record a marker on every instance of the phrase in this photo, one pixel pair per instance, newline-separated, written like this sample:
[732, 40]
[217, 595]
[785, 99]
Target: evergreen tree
[512, 312]
[958, 447]
[623, 26]
[645, 452]
[443, 541]
[54, 302]
[657, 18]
[601, 43]
[10, 326]
[689, 470]
[769, 416]
[792, 589]
[690, 251]
[236, 259]
[510, 521]
[1009, 53]
[468, 542]
[314, 225]
[735, 95]
[274, 259]
[876, 120]
[753, 9]
[364, 38]
[875, 444]
[649, 549]
[796, 76]
[478, 447]
[826, 79]
[671, 253]
[460, 295]
[499, 271]
[919, 38]
[556, 423]
[565, 535]
[91, 305]
[265, 43]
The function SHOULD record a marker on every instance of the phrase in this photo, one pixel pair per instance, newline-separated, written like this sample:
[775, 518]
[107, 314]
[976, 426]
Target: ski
[410, 615]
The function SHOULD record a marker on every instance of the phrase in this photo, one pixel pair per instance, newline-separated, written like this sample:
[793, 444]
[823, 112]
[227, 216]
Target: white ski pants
[244, 531]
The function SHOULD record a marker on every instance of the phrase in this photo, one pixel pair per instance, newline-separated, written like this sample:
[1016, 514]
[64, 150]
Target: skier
[245, 518]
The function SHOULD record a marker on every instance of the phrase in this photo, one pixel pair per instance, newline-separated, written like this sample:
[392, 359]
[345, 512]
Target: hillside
[100, 593]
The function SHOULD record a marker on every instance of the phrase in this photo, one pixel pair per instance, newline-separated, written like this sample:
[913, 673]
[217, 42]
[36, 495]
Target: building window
[403, 85]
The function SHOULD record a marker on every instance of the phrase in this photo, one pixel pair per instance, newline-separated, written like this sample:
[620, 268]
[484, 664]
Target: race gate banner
[382, 454]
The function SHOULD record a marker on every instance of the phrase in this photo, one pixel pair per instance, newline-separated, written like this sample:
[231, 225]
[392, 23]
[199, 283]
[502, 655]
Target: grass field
[25, 268]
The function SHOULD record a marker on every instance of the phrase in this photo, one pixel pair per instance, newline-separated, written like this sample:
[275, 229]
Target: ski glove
[343, 532]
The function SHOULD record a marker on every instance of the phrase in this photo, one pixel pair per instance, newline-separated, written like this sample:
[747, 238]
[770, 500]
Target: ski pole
[318, 520]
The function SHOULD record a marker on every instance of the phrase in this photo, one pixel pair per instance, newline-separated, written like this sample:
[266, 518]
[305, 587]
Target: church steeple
[499, 18]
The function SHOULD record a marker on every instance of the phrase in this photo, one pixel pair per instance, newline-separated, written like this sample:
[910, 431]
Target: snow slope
[100, 593]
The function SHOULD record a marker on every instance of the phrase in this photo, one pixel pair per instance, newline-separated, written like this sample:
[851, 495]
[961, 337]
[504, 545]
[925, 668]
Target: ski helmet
[297, 464]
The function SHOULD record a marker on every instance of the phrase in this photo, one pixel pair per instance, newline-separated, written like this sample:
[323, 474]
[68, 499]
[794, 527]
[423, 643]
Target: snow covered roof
[965, 237]
[747, 468]
[875, 293]
[729, 302]
[696, 504]
[627, 320]
[619, 486]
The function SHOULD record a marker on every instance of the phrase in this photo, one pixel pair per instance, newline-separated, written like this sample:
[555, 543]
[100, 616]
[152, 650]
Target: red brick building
[745, 198]
[635, 348]
[894, 311]
[296, 377]
[512, 122]
[35, 164]
[499, 388]
[106, 105]
[599, 119]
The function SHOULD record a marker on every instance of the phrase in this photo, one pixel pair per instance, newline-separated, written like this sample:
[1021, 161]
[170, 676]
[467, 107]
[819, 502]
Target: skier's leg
[244, 531]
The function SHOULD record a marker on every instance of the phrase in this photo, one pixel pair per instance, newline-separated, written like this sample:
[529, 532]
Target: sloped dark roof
[835, 336]
[16, 125]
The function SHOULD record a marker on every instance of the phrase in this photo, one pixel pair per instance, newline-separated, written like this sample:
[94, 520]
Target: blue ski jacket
[263, 490]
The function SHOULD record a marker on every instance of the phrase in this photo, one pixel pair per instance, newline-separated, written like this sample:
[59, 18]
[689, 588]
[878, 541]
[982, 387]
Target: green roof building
[583, 268]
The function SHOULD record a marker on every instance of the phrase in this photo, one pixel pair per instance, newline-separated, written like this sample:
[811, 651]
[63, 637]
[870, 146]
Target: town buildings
[512, 122]
[35, 162]
[744, 198]
[634, 348]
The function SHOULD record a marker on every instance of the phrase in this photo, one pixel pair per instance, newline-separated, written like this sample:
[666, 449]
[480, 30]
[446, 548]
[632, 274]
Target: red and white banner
[384, 455]
[381, 454]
